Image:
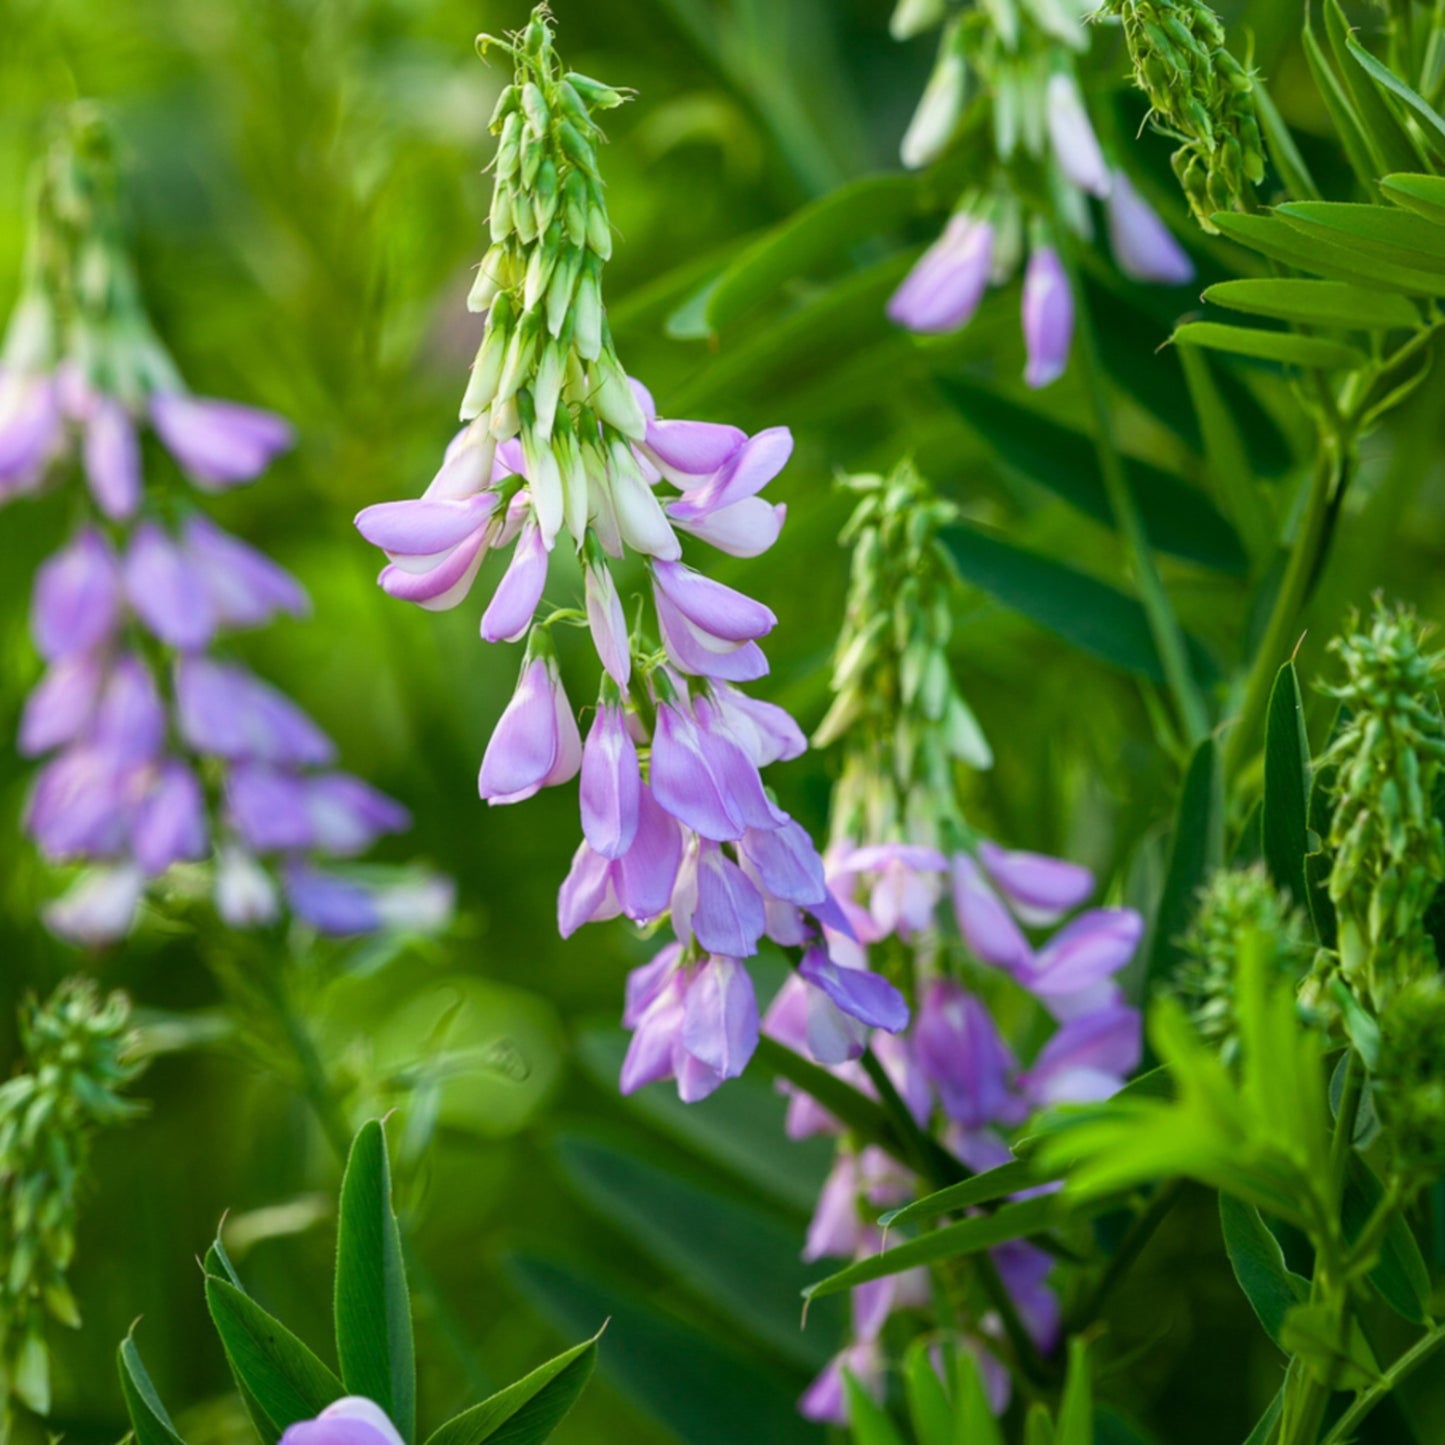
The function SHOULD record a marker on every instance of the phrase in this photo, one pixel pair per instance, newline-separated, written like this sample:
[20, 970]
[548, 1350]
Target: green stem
[1164, 624]
[1279, 635]
[1366, 1401]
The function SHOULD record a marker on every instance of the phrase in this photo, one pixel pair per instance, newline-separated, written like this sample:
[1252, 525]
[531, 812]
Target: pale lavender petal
[77, 597]
[611, 784]
[587, 894]
[1040, 888]
[80, 806]
[220, 443]
[645, 983]
[1048, 317]
[442, 586]
[245, 894]
[112, 458]
[223, 709]
[267, 807]
[514, 603]
[720, 1017]
[683, 778]
[525, 746]
[1093, 946]
[330, 904]
[764, 730]
[656, 1038]
[608, 624]
[868, 997]
[746, 473]
[168, 591]
[352, 1421]
[1144, 248]
[1088, 1058]
[696, 652]
[99, 908]
[944, 289]
[170, 823]
[722, 612]
[692, 448]
[246, 588]
[744, 529]
[422, 527]
[130, 724]
[346, 816]
[727, 916]
[987, 926]
[61, 705]
[645, 874]
[787, 862]
[30, 427]
[1071, 135]
[965, 1058]
[836, 1230]
[735, 771]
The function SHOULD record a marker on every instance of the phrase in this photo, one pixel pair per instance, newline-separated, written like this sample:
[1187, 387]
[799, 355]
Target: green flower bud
[536, 109]
[594, 92]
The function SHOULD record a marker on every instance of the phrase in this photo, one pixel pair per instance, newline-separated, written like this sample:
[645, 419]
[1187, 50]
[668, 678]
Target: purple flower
[30, 428]
[331, 904]
[867, 997]
[961, 1051]
[130, 723]
[170, 822]
[608, 624]
[1040, 889]
[786, 863]
[1025, 1270]
[1088, 950]
[77, 599]
[986, 924]
[944, 288]
[1144, 248]
[746, 472]
[684, 451]
[352, 1421]
[905, 889]
[168, 590]
[1088, 1059]
[99, 908]
[695, 649]
[825, 1401]
[245, 588]
[112, 457]
[79, 807]
[223, 709]
[60, 707]
[766, 732]
[611, 783]
[220, 443]
[1075, 146]
[743, 529]
[510, 612]
[1048, 317]
[639, 884]
[536, 743]
[347, 816]
[713, 901]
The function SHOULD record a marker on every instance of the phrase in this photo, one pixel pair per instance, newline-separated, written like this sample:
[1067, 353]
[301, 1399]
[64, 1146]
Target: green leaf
[733, 1256]
[1038, 1428]
[527, 1412]
[373, 1308]
[929, 1411]
[819, 232]
[1389, 143]
[1431, 123]
[1425, 195]
[1400, 1277]
[286, 1379]
[1285, 347]
[868, 1421]
[148, 1417]
[1274, 237]
[1196, 851]
[1018, 1220]
[1398, 237]
[1084, 612]
[1346, 119]
[1178, 518]
[1271, 1288]
[217, 1263]
[1076, 1409]
[985, 1188]
[974, 1420]
[1311, 1332]
[701, 1389]
[1316, 303]
[1284, 827]
[1263, 1430]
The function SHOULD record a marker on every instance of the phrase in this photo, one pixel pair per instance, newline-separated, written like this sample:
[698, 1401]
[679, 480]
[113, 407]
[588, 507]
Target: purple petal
[1092, 947]
[168, 590]
[787, 862]
[170, 825]
[61, 705]
[1144, 248]
[1041, 889]
[528, 747]
[720, 1017]
[77, 597]
[944, 289]
[513, 604]
[99, 908]
[1048, 317]
[30, 427]
[727, 915]
[744, 529]
[1071, 135]
[699, 654]
[644, 984]
[130, 723]
[267, 807]
[222, 709]
[352, 1421]
[443, 585]
[684, 781]
[346, 816]
[246, 588]
[1088, 1058]
[987, 926]
[656, 1036]
[611, 784]
[747, 472]
[608, 624]
[330, 904]
[220, 443]
[965, 1058]
[646, 873]
[80, 806]
[766, 732]
[836, 1230]
[693, 448]
[735, 771]
[112, 458]
[868, 997]
[720, 611]
[587, 894]
[423, 527]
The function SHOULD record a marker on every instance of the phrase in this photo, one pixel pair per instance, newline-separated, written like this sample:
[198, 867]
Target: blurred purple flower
[352, 1421]
[1144, 248]
[1048, 317]
[167, 590]
[1071, 135]
[112, 457]
[78, 596]
[943, 290]
[219, 443]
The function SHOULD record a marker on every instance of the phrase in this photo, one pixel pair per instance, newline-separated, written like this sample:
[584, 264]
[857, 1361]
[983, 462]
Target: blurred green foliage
[307, 203]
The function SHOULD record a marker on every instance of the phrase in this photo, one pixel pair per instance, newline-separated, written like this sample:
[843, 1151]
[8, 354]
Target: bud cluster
[77, 1055]
[1238, 908]
[894, 694]
[1201, 96]
[1409, 1079]
[1387, 841]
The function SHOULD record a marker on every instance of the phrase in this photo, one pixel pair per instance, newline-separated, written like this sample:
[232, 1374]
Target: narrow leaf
[1399, 237]
[1425, 195]
[1084, 612]
[1285, 347]
[527, 1412]
[148, 1417]
[1316, 303]
[974, 1420]
[287, 1380]
[1263, 1431]
[373, 1308]
[868, 1421]
[985, 1188]
[218, 1263]
[1258, 1263]
[1400, 1277]
[1431, 122]
[929, 1411]
[1390, 145]
[1284, 823]
[1347, 123]
[1076, 1409]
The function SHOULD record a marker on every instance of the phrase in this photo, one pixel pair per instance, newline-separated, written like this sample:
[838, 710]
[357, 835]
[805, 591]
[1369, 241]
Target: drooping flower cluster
[159, 751]
[1020, 65]
[77, 1060]
[961, 923]
[561, 448]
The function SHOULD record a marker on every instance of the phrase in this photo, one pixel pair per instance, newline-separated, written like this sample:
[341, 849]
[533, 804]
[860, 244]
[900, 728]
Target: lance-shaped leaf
[929, 1410]
[1432, 124]
[1076, 1410]
[974, 1420]
[373, 1308]
[1286, 347]
[218, 1263]
[986, 1188]
[148, 1418]
[1316, 303]
[867, 1419]
[1284, 822]
[284, 1377]
[527, 1412]
[1271, 1288]
[1398, 237]
[1343, 115]
[1391, 147]
[1400, 1275]
[1425, 195]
